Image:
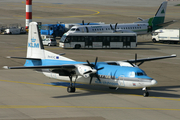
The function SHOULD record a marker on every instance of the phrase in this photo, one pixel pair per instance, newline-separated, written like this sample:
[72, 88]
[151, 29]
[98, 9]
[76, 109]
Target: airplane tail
[159, 17]
[157, 21]
[35, 48]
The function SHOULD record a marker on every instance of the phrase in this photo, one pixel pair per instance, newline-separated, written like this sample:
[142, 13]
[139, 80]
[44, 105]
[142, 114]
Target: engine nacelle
[81, 69]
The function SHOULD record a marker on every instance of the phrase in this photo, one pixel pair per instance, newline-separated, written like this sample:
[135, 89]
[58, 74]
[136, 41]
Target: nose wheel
[146, 93]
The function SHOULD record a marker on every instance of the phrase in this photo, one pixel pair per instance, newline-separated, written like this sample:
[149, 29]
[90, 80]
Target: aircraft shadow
[162, 91]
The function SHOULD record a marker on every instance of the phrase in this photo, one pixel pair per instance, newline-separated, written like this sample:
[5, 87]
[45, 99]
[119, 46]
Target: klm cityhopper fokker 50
[114, 74]
[140, 27]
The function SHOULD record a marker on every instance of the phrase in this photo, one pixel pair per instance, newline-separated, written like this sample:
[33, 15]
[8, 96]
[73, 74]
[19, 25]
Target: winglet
[5, 67]
[174, 55]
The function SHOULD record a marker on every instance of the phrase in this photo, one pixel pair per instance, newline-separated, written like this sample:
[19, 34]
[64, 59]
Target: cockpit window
[140, 73]
[73, 29]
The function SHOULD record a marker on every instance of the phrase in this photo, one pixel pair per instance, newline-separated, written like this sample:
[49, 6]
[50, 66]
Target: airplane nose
[154, 82]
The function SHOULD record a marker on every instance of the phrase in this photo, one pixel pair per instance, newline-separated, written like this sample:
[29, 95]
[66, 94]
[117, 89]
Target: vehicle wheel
[71, 89]
[168, 42]
[49, 44]
[146, 94]
[77, 46]
[175, 42]
[154, 40]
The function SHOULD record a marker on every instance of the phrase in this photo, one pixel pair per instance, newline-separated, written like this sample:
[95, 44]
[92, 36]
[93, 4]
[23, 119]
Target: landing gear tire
[71, 89]
[146, 94]
[112, 88]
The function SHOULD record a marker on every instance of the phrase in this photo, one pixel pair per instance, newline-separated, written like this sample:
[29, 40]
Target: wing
[139, 60]
[150, 59]
[43, 67]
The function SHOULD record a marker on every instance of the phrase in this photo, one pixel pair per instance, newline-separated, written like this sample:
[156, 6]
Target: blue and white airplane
[114, 74]
[141, 27]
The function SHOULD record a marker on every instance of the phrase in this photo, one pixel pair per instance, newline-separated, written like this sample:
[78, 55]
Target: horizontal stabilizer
[24, 58]
[166, 23]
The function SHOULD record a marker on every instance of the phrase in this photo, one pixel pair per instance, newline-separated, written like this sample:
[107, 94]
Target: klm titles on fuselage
[33, 44]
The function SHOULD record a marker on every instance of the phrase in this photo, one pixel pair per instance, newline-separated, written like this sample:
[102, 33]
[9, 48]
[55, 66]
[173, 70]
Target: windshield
[73, 29]
[63, 38]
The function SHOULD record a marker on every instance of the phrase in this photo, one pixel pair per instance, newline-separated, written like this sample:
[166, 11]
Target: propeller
[135, 61]
[114, 29]
[84, 24]
[94, 71]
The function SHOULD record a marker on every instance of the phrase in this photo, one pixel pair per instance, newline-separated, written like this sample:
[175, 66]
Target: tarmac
[29, 95]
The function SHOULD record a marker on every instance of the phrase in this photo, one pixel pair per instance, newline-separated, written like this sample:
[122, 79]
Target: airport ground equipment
[98, 40]
[57, 30]
[166, 36]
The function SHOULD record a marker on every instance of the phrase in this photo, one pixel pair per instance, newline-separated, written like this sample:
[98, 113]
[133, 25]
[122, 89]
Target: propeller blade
[89, 64]
[88, 23]
[100, 68]
[97, 76]
[83, 22]
[130, 63]
[111, 27]
[116, 25]
[135, 58]
[96, 61]
[141, 63]
[90, 80]
[88, 72]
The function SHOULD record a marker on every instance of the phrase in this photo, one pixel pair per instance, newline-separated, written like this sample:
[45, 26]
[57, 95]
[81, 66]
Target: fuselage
[139, 28]
[111, 75]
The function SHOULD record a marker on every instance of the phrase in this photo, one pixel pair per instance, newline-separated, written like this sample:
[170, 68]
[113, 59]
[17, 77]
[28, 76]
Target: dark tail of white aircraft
[157, 21]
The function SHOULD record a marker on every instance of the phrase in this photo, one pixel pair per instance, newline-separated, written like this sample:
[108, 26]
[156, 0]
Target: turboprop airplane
[140, 27]
[114, 74]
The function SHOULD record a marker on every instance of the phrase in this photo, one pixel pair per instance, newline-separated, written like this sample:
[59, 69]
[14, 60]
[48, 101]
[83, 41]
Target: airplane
[114, 74]
[140, 27]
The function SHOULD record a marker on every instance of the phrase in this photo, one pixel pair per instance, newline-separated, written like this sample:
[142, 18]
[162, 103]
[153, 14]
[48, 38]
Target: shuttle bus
[98, 40]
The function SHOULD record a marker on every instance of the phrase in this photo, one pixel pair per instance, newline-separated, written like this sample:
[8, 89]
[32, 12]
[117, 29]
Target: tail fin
[158, 19]
[159, 16]
[35, 48]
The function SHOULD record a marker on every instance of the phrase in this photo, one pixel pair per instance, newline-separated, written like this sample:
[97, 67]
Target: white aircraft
[140, 27]
[114, 74]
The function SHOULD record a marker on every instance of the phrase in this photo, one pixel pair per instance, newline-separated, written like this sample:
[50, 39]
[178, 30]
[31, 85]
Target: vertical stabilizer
[34, 46]
[159, 16]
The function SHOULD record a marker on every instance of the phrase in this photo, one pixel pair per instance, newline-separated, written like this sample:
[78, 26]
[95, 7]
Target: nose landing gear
[146, 93]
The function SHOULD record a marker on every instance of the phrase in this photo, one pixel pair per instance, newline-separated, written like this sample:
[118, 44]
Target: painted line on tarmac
[87, 15]
[88, 107]
[173, 99]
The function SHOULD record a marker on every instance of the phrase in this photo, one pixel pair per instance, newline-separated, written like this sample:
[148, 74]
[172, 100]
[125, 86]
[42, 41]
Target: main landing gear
[72, 87]
[146, 93]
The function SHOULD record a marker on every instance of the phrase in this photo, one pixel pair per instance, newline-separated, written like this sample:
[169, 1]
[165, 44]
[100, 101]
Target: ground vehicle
[98, 40]
[48, 40]
[166, 35]
[57, 30]
[14, 30]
